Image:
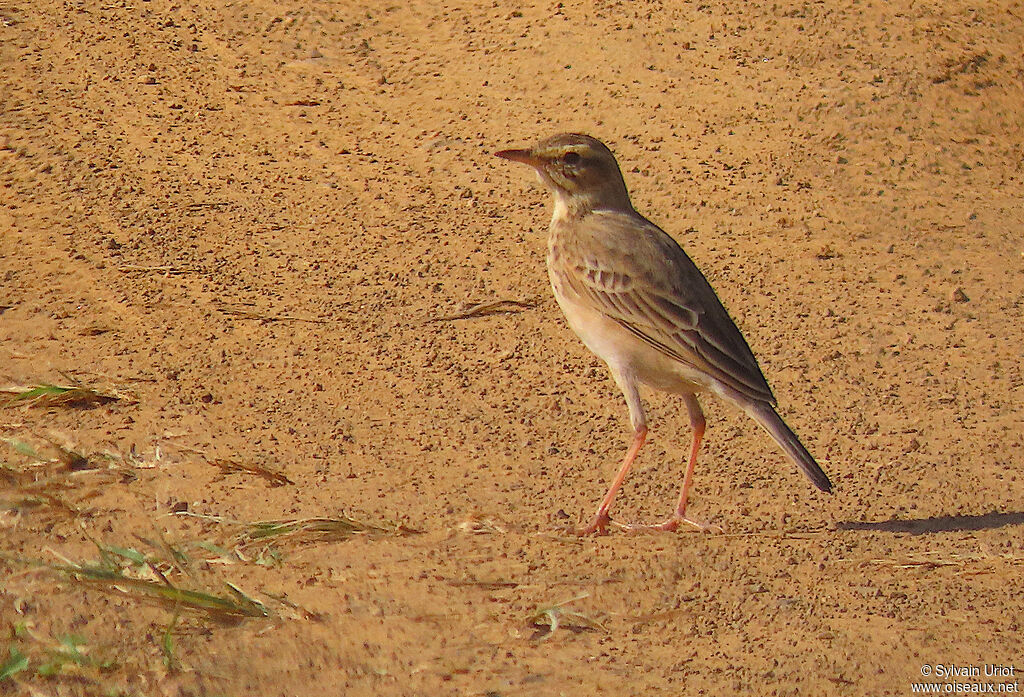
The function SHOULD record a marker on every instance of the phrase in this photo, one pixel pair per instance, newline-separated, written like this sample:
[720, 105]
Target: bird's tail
[784, 436]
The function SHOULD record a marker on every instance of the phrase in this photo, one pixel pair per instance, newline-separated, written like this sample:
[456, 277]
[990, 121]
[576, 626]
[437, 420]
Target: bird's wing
[640, 277]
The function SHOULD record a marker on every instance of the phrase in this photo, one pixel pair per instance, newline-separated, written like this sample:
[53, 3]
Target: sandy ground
[256, 221]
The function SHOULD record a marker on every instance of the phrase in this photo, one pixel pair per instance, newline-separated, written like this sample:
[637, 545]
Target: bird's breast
[603, 334]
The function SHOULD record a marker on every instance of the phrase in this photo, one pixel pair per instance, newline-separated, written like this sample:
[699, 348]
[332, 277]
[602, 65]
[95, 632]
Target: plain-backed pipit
[637, 300]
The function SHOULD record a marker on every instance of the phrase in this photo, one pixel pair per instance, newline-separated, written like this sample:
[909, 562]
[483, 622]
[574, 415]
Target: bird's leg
[680, 513]
[601, 519]
[697, 423]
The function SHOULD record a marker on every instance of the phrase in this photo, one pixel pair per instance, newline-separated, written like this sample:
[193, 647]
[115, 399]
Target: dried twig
[275, 477]
[557, 616]
[484, 309]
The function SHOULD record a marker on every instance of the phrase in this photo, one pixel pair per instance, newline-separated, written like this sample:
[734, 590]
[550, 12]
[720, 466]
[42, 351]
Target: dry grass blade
[275, 477]
[484, 309]
[299, 611]
[53, 464]
[14, 476]
[546, 621]
[52, 480]
[47, 395]
[109, 577]
[263, 542]
[71, 460]
[312, 530]
[30, 502]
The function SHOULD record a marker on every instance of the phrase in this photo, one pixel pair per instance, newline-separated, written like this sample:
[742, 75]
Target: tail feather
[784, 436]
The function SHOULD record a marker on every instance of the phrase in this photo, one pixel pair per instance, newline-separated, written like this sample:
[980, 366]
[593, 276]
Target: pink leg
[680, 513]
[601, 519]
[698, 423]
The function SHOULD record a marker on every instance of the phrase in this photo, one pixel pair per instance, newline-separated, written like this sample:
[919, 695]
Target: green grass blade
[15, 663]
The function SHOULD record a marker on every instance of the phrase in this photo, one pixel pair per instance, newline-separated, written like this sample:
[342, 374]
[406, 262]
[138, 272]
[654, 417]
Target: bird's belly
[622, 350]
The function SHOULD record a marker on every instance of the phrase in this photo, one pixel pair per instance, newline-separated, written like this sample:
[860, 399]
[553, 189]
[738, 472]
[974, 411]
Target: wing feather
[644, 281]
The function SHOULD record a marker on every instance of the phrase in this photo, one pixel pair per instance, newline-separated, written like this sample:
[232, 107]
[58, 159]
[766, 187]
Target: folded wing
[663, 300]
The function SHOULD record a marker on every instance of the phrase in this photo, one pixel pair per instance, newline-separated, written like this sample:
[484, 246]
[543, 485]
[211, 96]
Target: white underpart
[561, 211]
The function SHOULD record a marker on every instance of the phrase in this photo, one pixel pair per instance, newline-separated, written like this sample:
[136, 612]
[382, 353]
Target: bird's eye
[571, 158]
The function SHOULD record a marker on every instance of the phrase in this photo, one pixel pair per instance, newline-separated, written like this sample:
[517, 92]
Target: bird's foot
[598, 525]
[674, 523]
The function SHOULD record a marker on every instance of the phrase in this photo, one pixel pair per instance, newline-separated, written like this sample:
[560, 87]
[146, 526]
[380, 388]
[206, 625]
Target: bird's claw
[598, 525]
[674, 523]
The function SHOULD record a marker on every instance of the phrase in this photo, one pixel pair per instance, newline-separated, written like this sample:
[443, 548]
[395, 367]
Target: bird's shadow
[950, 523]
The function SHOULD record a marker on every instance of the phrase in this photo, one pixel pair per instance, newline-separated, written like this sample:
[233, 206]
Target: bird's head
[579, 170]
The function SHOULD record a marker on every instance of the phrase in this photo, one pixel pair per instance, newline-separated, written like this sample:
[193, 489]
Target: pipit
[636, 300]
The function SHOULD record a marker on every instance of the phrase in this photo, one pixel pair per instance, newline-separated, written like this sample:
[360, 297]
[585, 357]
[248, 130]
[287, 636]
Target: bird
[638, 302]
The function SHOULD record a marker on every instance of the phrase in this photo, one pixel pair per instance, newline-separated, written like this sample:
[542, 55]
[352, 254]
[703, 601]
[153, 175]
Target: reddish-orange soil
[257, 220]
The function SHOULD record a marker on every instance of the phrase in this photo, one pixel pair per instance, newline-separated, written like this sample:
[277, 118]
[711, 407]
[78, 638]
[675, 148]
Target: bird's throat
[562, 211]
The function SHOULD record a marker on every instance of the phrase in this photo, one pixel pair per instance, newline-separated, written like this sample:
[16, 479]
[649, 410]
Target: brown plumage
[640, 303]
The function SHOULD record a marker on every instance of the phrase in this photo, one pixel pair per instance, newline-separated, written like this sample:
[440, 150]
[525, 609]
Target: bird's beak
[525, 156]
